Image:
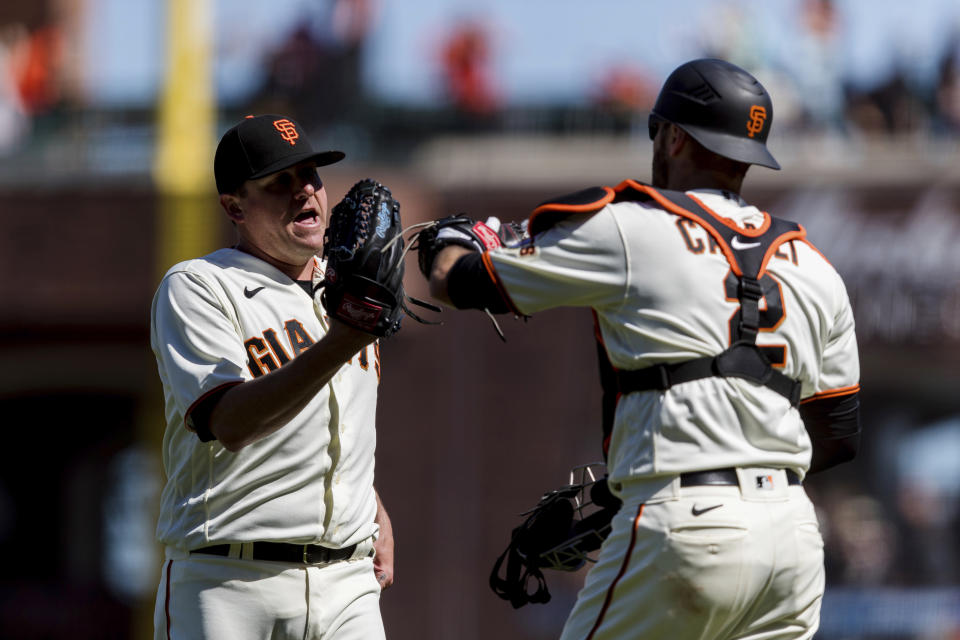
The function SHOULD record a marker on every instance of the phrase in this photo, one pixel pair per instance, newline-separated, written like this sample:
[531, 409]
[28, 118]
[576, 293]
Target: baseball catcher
[729, 368]
[364, 249]
[558, 533]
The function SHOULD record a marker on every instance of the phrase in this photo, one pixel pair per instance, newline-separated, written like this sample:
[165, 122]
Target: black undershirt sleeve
[834, 428]
[470, 287]
[199, 417]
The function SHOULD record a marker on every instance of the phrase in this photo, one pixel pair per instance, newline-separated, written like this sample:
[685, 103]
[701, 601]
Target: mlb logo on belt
[765, 482]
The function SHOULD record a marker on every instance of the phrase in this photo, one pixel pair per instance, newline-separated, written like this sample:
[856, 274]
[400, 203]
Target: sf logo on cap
[288, 130]
[757, 116]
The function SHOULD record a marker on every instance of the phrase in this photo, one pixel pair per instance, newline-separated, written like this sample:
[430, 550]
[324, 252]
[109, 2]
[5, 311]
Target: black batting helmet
[721, 106]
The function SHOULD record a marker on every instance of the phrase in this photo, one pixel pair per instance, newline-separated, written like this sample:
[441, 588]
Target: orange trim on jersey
[498, 283]
[680, 211]
[832, 393]
[204, 397]
[744, 231]
[572, 208]
[799, 234]
[623, 570]
[810, 244]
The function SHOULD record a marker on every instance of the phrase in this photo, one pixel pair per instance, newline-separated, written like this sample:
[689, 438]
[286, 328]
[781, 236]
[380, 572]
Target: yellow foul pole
[183, 168]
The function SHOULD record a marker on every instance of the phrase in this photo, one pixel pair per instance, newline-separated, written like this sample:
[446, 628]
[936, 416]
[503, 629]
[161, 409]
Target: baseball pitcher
[270, 366]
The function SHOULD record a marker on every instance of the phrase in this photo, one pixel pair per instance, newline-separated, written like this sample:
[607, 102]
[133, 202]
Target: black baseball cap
[261, 145]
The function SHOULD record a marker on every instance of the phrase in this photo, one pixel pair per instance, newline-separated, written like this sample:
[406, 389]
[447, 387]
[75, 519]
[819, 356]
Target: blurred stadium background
[109, 113]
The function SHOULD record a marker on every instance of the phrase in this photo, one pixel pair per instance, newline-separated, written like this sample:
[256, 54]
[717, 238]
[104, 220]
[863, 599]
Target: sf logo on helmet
[288, 130]
[758, 115]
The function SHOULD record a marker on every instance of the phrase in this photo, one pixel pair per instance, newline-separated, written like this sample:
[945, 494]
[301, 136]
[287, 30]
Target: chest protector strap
[748, 252]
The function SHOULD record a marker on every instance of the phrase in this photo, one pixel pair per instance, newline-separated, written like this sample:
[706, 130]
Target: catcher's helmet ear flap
[721, 106]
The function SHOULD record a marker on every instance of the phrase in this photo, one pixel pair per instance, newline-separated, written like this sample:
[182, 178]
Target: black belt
[286, 552]
[723, 478]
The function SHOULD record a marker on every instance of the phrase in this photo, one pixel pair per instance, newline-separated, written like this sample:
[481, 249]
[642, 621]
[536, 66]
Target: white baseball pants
[208, 597]
[676, 565]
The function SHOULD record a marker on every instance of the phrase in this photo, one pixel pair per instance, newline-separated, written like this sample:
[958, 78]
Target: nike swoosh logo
[251, 292]
[737, 244]
[700, 512]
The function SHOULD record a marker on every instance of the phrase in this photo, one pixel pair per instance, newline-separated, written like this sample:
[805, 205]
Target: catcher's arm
[833, 424]
[440, 273]
[450, 258]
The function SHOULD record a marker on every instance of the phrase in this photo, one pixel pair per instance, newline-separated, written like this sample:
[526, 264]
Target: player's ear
[677, 138]
[231, 205]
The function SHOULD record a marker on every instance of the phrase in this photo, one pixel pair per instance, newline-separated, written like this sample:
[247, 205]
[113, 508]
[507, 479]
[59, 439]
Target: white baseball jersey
[227, 318]
[657, 283]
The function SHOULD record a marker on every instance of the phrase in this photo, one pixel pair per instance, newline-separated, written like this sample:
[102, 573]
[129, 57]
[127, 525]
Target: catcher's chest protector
[746, 250]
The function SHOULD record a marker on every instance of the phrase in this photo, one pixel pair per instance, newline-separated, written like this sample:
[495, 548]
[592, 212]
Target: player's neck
[695, 178]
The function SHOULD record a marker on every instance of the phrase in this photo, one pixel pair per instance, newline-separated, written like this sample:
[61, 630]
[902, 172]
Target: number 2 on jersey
[772, 314]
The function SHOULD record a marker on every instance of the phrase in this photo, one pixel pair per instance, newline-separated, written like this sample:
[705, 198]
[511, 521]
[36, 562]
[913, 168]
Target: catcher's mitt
[363, 282]
[559, 533]
[466, 232]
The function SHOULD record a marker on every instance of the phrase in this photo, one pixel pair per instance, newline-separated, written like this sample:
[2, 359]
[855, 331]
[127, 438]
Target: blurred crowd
[812, 92]
[893, 519]
[30, 64]
[890, 525]
[316, 72]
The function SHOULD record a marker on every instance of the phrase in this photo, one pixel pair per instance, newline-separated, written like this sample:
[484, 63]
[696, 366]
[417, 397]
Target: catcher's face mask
[570, 522]
[560, 532]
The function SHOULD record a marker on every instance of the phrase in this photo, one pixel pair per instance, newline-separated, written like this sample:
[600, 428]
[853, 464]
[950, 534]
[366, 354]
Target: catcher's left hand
[465, 232]
[363, 282]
